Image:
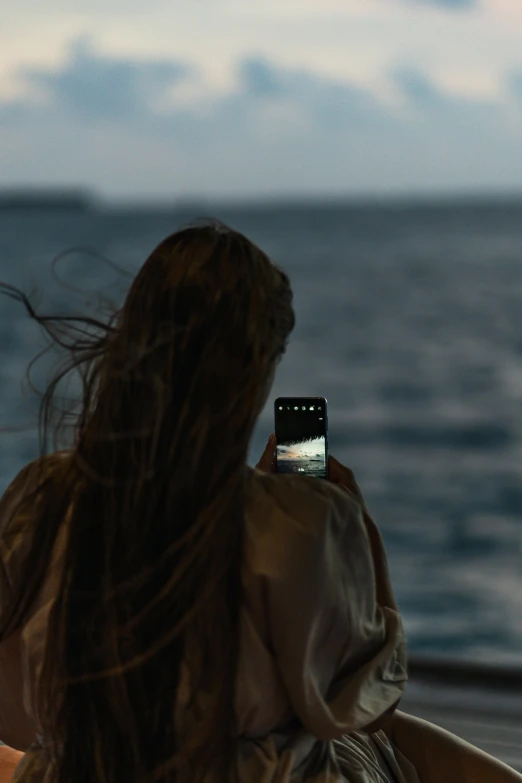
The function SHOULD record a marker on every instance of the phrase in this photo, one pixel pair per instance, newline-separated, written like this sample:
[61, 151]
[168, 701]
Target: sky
[162, 99]
[312, 449]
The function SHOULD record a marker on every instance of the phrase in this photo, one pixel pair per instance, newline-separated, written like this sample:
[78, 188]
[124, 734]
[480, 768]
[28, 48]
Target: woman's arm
[439, 755]
[9, 760]
[332, 621]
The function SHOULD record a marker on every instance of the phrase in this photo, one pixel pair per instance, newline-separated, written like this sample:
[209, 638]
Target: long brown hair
[150, 593]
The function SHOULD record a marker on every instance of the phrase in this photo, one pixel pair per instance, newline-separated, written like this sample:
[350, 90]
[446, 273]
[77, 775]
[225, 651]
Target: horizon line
[96, 199]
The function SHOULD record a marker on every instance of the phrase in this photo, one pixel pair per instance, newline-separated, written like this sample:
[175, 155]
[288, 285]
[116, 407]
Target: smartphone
[301, 430]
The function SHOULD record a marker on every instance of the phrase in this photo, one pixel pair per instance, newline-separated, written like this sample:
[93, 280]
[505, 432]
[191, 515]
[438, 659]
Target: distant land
[82, 200]
[44, 199]
[206, 204]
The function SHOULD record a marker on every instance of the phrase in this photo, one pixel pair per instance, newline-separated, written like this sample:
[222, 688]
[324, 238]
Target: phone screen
[301, 429]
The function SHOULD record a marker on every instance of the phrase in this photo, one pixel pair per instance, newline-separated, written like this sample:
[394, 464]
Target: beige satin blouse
[322, 645]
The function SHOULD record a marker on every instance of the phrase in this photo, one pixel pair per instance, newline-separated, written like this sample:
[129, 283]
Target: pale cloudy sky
[255, 98]
[311, 449]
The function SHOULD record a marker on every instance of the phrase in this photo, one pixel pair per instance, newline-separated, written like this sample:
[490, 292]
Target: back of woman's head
[147, 614]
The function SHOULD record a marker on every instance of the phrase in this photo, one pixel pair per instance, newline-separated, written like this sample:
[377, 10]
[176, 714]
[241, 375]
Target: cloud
[94, 86]
[120, 125]
[325, 101]
[418, 87]
[261, 79]
[452, 5]
[515, 83]
[453, 113]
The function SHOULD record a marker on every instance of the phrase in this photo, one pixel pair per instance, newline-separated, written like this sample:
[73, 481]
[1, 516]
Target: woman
[179, 616]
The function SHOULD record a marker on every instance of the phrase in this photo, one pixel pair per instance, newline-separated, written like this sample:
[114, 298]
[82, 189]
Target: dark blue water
[314, 468]
[410, 323]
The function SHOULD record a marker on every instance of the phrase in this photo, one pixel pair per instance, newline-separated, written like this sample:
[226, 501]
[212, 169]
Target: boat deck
[481, 704]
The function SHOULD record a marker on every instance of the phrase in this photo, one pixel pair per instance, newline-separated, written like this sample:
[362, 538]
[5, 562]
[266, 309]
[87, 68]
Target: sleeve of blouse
[334, 625]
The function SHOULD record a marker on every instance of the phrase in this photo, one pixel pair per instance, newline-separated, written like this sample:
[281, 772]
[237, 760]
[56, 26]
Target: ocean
[409, 321]
[315, 468]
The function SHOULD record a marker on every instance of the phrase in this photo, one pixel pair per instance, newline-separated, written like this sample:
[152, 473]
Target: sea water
[409, 321]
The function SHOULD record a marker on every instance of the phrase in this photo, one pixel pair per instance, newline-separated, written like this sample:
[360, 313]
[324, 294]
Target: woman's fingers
[337, 472]
[267, 463]
[340, 474]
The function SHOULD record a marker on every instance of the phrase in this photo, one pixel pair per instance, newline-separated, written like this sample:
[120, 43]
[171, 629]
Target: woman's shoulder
[35, 472]
[26, 482]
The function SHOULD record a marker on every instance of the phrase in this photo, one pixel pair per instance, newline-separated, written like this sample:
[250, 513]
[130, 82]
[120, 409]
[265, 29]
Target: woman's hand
[344, 477]
[267, 462]
[337, 473]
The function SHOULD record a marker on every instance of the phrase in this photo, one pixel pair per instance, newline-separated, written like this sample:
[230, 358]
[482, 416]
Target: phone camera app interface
[301, 437]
